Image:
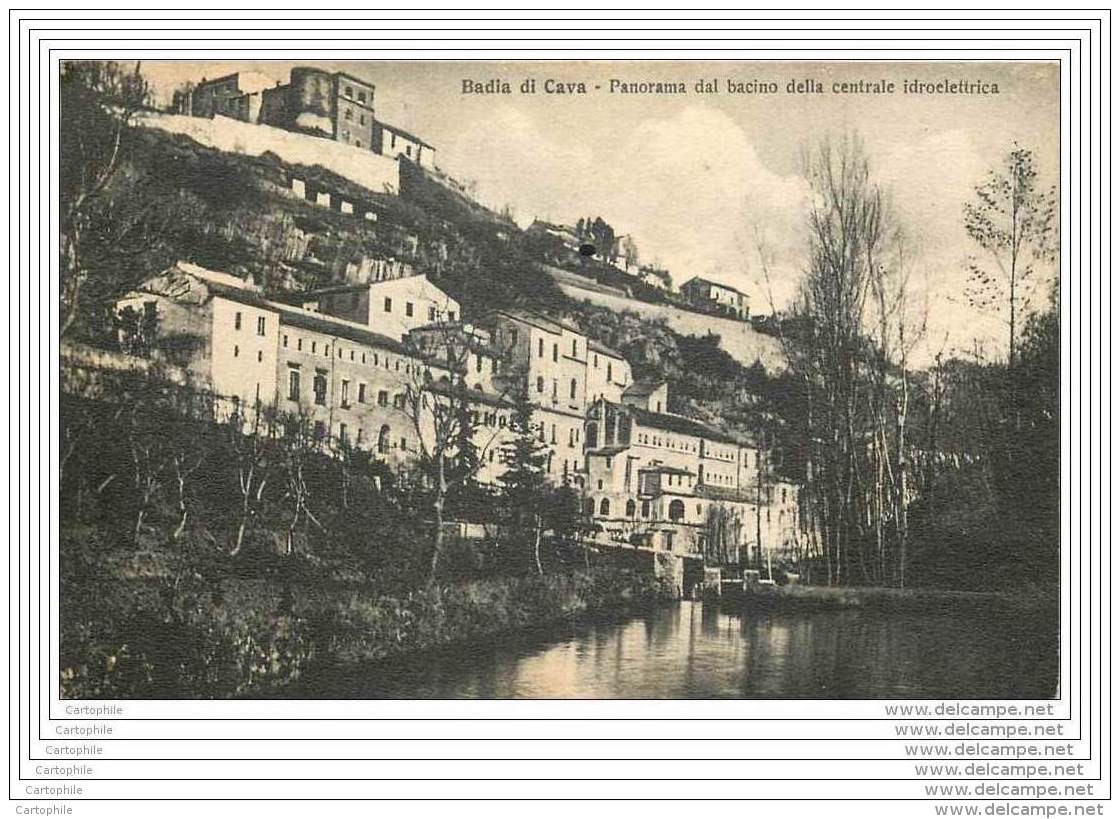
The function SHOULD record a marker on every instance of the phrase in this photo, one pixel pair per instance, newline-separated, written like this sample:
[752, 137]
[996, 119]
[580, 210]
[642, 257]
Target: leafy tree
[1013, 218]
[603, 236]
[524, 482]
[137, 330]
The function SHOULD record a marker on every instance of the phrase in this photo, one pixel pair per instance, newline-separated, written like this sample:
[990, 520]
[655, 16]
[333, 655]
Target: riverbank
[704, 650]
[257, 637]
[925, 601]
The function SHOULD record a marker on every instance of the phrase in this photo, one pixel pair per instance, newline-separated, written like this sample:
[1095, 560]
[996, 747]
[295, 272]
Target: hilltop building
[334, 105]
[725, 298]
[232, 95]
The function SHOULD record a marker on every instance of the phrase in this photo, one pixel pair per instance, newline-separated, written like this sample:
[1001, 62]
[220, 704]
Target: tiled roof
[308, 320]
[643, 388]
[679, 424]
[665, 469]
[600, 347]
[726, 494]
[612, 449]
[402, 132]
[472, 395]
[539, 321]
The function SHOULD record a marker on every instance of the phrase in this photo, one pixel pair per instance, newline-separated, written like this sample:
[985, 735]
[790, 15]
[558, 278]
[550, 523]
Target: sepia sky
[695, 178]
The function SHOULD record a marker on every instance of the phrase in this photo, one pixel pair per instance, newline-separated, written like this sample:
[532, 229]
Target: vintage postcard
[568, 379]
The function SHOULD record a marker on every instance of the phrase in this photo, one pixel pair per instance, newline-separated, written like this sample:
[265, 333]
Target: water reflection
[692, 650]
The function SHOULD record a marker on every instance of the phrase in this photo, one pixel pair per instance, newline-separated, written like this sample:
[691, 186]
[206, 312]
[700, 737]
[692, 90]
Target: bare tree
[850, 340]
[187, 458]
[846, 233]
[151, 455]
[1013, 219]
[442, 410]
[250, 449]
[898, 326]
[298, 446]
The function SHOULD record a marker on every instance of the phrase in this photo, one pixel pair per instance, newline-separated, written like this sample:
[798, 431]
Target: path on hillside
[738, 338]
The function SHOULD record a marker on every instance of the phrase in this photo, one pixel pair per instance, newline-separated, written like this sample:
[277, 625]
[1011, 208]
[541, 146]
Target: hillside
[365, 168]
[257, 214]
[337, 164]
[737, 338]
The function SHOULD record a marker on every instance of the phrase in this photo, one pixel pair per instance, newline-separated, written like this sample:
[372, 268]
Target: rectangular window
[237, 320]
[260, 325]
[431, 314]
[388, 305]
[575, 348]
[285, 340]
[342, 434]
[540, 347]
[299, 343]
[555, 352]
[361, 393]
[293, 385]
[345, 393]
[320, 389]
[382, 398]
[408, 309]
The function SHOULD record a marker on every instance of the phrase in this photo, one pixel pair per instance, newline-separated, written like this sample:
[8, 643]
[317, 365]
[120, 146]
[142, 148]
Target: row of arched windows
[676, 508]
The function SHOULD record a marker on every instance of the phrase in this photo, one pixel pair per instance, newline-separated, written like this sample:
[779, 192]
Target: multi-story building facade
[364, 373]
[388, 140]
[352, 383]
[562, 370]
[393, 306]
[667, 482]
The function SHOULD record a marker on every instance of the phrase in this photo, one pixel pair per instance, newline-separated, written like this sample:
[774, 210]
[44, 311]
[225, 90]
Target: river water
[697, 650]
